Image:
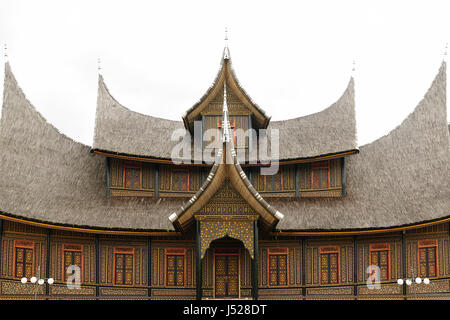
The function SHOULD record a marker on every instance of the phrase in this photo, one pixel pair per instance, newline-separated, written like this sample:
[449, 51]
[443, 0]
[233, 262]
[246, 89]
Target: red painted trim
[175, 252]
[24, 244]
[326, 250]
[73, 248]
[122, 250]
[428, 244]
[277, 252]
[374, 247]
[317, 166]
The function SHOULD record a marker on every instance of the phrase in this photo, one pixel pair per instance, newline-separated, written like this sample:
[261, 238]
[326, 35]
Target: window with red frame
[379, 256]
[329, 265]
[132, 175]
[320, 175]
[123, 266]
[428, 260]
[278, 266]
[175, 267]
[72, 255]
[23, 258]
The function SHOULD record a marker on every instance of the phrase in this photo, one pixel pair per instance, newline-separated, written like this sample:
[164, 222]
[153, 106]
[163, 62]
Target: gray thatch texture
[45, 175]
[121, 130]
[329, 131]
[401, 178]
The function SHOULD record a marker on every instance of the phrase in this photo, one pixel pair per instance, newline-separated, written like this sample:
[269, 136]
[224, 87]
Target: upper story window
[179, 179]
[274, 182]
[123, 266]
[175, 267]
[72, 256]
[329, 265]
[132, 175]
[278, 266]
[23, 258]
[320, 175]
[379, 256]
[428, 266]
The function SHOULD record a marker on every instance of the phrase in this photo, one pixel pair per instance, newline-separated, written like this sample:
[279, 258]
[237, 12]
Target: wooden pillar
[344, 176]
[149, 265]
[108, 176]
[198, 261]
[1, 242]
[355, 265]
[304, 266]
[97, 266]
[297, 180]
[47, 263]
[255, 287]
[404, 262]
[156, 181]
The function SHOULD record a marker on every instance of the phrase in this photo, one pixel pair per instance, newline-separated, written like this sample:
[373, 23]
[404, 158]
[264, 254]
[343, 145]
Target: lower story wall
[289, 268]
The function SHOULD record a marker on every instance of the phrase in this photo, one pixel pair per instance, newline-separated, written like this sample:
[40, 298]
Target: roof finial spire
[6, 52]
[445, 52]
[353, 68]
[99, 66]
[225, 122]
[226, 53]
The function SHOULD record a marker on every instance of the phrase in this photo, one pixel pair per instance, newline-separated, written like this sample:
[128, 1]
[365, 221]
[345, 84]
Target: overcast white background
[293, 58]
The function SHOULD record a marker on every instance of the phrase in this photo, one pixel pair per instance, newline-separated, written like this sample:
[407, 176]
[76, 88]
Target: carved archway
[236, 227]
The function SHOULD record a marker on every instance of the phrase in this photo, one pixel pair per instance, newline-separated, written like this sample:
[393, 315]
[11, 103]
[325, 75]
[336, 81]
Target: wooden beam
[355, 266]
[97, 266]
[47, 262]
[156, 193]
[303, 266]
[149, 265]
[344, 176]
[198, 260]
[404, 262]
[255, 286]
[1, 242]
[108, 176]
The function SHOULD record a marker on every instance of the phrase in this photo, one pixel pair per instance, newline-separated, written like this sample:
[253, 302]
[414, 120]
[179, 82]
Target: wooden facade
[165, 267]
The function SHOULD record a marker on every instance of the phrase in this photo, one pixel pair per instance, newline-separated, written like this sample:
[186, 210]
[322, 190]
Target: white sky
[293, 58]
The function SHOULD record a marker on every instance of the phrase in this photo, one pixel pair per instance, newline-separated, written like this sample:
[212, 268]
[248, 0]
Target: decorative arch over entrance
[239, 228]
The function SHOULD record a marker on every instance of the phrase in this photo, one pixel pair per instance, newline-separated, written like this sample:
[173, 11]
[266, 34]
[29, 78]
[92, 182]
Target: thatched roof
[120, 130]
[402, 178]
[399, 179]
[329, 131]
[47, 176]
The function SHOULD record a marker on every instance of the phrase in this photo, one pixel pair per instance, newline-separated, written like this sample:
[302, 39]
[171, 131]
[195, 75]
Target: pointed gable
[238, 96]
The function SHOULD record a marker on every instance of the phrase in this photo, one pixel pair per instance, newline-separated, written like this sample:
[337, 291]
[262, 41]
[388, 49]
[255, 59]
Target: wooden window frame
[431, 243]
[227, 252]
[174, 252]
[278, 252]
[318, 166]
[375, 247]
[73, 247]
[24, 244]
[280, 170]
[123, 250]
[328, 250]
[132, 165]
[172, 170]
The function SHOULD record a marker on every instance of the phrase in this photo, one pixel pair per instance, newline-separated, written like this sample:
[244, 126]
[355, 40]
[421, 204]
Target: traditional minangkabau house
[140, 226]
